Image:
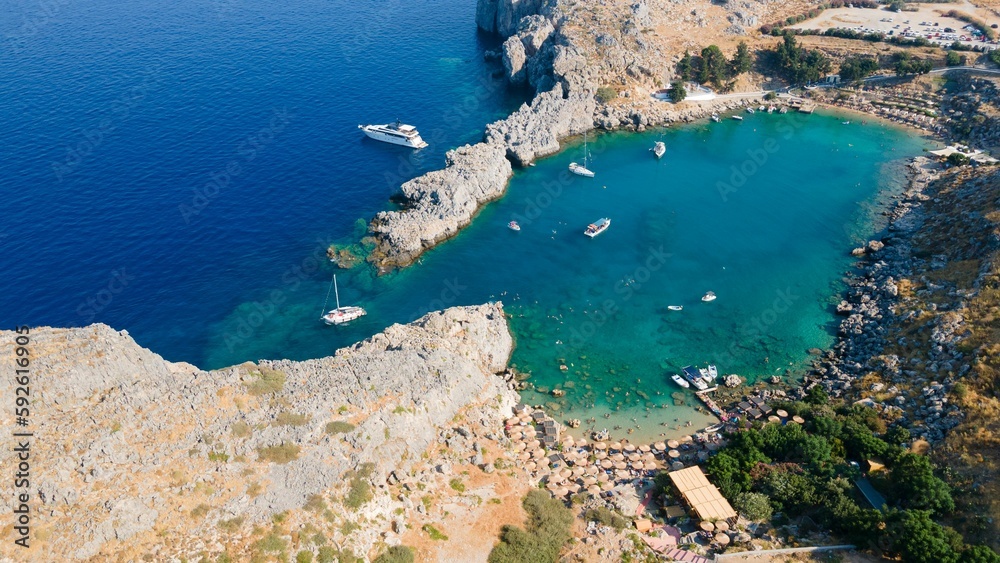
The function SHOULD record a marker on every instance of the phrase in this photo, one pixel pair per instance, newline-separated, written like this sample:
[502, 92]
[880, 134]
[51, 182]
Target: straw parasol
[621, 474]
[600, 446]
[565, 473]
[773, 418]
[659, 446]
[621, 465]
[552, 486]
[530, 432]
[534, 444]
[520, 446]
[674, 454]
[575, 487]
[686, 439]
[618, 457]
[512, 421]
[649, 465]
[645, 448]
[530, 466]
[798, 419]
[637, 465]
[581, 443]
[722, 526]
[607, 486]
[568, 441]
[588, 481]
[629, 447]
[524, 456]
[594, 490]
[577, 472]
[603, 478]
[781, 413]
[673, 444]
[676, 466]
[538, 454]
[616, 446]
[722, 539]
[607, 464]
[707, 526]
[560, 492]
[634, 457]
[601, 455]
[649, 457]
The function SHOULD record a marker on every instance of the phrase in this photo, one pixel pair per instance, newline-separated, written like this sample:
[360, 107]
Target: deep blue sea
[178, 170]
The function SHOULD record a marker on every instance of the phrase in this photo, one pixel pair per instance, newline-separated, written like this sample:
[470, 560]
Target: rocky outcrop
[514, 60]
[139, 455]
[534, 130]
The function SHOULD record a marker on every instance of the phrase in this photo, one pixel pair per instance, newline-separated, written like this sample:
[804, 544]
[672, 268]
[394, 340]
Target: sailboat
[582, 170]
[340, 315]
[658, 149]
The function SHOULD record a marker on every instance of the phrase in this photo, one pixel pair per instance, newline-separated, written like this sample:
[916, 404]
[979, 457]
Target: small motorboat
[691, 375]
[762, 108]
[770, 109]
[659, 149]
[713, 371]
[738, 117]
[680, 381]
[705, 375]
[709, 296]
[714, 428]
[750, 111]
[845, 122]
[597, 227]
[715, 117]
[513, 226]
[675, 307]
[783, 110]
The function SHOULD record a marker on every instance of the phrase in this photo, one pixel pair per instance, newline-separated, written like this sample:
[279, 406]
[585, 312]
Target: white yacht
[396, 133]
[680, 381]
[675, 307]
[597, 227]
[750, 111]
[659, 149]
[738, 117]
[341, 315]
[708, 297]
[513, 226]
[713, 371]
[715, 117]
[582, 170]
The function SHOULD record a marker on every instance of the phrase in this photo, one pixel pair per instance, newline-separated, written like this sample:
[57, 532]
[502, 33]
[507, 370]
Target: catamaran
[582, 170]
[680, 381]
[597, 227]
[397, 133]
[659, 149]
[340, 315]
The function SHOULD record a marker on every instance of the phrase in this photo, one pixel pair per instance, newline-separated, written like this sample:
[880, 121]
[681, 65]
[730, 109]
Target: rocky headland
[138, 458]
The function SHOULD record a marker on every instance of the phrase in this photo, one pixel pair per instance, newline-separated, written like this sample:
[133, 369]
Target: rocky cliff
[136, 455]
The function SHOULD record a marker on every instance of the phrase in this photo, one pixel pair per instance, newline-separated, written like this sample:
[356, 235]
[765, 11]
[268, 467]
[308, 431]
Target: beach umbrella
[616, 445]
[534, 444]
[600, 446]
[530, 466]
[607, 464]
[607, 486]
[674, 454]
[552, 486]
[603, 478]
[512, 421]
[773, 418]
[676, 466]
[575, 487]
[673, 444]
[538, 454]
[520, 446]
[621, 474]
[568, 441]
[565, 473]
[798, 419]
[601, 455]
[629, 447]
[618, 457]
[645, 448]
[707, 526]
[530, 432]
[594, 490]
[722, 539]
[524, 456]
[659, 446]
[633, 457]
[581, 443]
[544, 461]
[722, 526]
[560, 492]
[637, 465]
[649, 457]
[621, 465]
[781, 413]
[577, 472]
[588, 481]
[686, 439]
[649, 465]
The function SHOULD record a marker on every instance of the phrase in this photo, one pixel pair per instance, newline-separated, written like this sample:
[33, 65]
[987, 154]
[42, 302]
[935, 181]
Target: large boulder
[514, 59]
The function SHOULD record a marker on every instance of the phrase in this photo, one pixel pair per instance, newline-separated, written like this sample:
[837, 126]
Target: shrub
[315, 503]
[241, 429]
[327, 554]
[282, 453]
[458, 485]
[285, 418]
[396, 554]
[606, 516]
[957, 159]
[231, 525]
[338, 427]
[200, 511]
[221, 457]
[434, 533]
[265, 381]
[545, 533]
[304, 557]
[606, 93]
[678, 93]
[954, 59]
[753, 506]
[360, 491]
[271, 543]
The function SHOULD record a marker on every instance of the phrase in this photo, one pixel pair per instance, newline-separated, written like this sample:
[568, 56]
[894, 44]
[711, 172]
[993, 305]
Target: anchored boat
[340, 315]
[582, 170]
[513, 226]
[659, 149]
[597, 227]
[694, 377]
[710, 296]
[680, 381]
[397, 133]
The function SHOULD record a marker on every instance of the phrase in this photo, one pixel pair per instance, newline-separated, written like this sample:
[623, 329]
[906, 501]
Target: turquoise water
[770, 241]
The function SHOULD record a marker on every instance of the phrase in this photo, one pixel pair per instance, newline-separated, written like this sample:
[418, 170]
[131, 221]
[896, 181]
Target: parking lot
[927, 22]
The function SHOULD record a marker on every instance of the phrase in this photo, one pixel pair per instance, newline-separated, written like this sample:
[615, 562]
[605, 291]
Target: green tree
[857, 67]
[915, 485]
[958, 159]
[396, 554]
[897, 5]
[995, 56]
[954, 59]
[545, 533]
[897, 435]
[714, 67]
[742, 60]
[685, 68]
[678, 93]
[727, 474]
[979, 554]
[816, 395]
[917, 539]
[789, 492]
[753, 506]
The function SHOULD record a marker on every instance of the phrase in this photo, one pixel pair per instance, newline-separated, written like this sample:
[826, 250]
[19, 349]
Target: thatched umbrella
[674, 454]
[588, 481]
[722, 539]
[781, 413]
[676, 466]
[629, 447]
[707, 526]
[530, 432]
[575, 487]
[600, 446]
[512, 421]
[534, 444]
[594, 490]
[520, 446]
[649, 457]
[773, 418]
[581, 443]
[686, 439]
[622, 474]
[621, 465]
[607, 486]
[634, 457]
[560, 492]
[538, 454]
[524, 456]
[578, 472]
[552, 486]
[603, 477]
[615, 445]
[798, 419]
[673, 444]
[659, 446]
[568, 441]
[607, 464]
[649, 465]
[530, 466]
[722, 526]
[637, 465]
[645, 448]
[618, 457]
[565, 473]
[601, 455]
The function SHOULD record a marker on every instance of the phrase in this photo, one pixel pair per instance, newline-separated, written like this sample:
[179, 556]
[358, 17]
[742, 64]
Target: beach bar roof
[706, 500]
